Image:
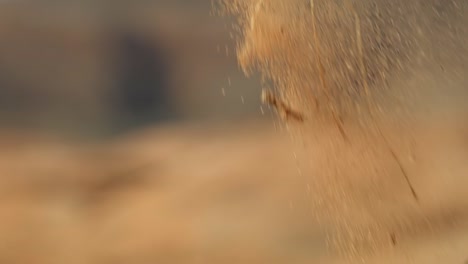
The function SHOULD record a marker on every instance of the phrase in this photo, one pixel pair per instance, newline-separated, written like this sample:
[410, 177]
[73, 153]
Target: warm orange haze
[243, 131]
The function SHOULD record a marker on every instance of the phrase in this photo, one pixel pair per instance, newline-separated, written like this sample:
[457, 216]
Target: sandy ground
[188, 194]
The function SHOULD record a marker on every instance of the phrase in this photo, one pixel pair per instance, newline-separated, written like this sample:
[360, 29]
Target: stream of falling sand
[379, 86]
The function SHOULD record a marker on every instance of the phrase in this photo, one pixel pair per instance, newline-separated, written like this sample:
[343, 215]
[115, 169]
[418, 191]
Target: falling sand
[380, 89]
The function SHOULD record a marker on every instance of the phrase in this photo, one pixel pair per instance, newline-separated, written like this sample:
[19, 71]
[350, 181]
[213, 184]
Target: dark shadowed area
[97, 68]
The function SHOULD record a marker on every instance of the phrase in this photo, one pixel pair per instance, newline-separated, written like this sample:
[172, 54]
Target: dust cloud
[382, 88]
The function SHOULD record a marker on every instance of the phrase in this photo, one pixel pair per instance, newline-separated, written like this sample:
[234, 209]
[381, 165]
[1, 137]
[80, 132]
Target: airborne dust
[381, 88]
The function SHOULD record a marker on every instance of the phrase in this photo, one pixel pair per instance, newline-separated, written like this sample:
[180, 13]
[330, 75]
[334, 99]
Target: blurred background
[128, 134]
[99, 68]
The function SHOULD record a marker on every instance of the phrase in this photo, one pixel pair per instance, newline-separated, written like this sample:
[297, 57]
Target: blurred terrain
[170, 195]
[175, 195]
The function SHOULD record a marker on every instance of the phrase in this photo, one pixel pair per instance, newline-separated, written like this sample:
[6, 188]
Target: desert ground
[232, 193]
